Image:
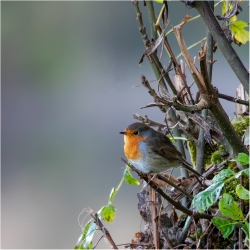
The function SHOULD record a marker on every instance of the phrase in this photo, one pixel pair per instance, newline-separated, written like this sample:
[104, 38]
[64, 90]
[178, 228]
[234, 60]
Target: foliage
[106, 213]
[226, 189]
[227, 206]
[237, 27]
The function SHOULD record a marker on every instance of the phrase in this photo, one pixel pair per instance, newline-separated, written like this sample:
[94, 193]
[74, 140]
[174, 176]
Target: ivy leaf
[242, 158]
[223, 174]
[128, 177]
[208, 197]
[225, 226]
[243, 193]
[107, 213]
[230, 208]
[244, 171]
[87, 236]
[246, 230]
[239, 32]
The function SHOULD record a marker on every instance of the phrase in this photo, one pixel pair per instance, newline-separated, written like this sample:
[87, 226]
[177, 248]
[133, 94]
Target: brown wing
[163, 146]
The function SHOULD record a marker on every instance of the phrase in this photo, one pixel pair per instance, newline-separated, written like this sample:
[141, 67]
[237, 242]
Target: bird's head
[137, 130]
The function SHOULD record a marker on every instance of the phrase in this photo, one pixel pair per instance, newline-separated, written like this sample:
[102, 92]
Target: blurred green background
[70, 84]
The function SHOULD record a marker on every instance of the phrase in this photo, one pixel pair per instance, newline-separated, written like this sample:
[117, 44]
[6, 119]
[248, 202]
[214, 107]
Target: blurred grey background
[70, 84]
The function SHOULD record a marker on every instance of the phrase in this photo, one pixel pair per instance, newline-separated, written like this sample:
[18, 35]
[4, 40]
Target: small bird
[150, 151]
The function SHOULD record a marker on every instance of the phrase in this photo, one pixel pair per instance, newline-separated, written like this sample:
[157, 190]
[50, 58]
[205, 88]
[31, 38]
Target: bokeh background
[70, 84]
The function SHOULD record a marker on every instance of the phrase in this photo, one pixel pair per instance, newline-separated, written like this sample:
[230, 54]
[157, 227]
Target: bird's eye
[136, 133]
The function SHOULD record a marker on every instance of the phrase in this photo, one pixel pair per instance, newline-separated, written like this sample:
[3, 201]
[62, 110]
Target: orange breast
[131, 146]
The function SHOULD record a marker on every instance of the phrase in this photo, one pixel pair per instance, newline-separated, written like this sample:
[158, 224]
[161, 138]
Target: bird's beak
[123, 133]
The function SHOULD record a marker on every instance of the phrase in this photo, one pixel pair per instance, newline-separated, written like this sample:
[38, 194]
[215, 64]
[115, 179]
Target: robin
[150, 151]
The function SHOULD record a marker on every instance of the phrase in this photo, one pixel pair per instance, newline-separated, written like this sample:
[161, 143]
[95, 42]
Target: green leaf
[224, 10]
[88, 234]
[112, 194]
[208, 197]
[242, 159]
[107, 213]
[223, 174]
[246, 229]
[239, 32]
[128, 177]
[243, 193]
[244, 171]
[83, 235]
[230, 208]
[225, 226]
[159, 1]
[79, 247]
[224, 7]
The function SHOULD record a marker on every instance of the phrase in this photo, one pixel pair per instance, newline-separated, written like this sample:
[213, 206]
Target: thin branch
[98, 242]
[154, 214]
[209, 99]
[193, 45]
[104, 230]
[177, 205]
[233, 99]
[193, 70]
[200, 147]
[176, 65]
[180, 147]
[160, 177]
[151, 13]
[153, 57]
[193, 18]
[224, 45]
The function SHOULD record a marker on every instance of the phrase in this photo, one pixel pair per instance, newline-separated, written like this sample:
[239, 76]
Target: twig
[153, 59]
[233, 99]
[104, 230]
[151, 13]
[242, 208]
[199, 238]
[183, 233]
[154, 214]
[209, 99]
[175, 186]
[193, 45]
[98, 242]
[200, 147]
[224, 45]
[165, 196]
[176, 65]
[148, 121]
